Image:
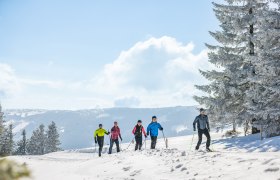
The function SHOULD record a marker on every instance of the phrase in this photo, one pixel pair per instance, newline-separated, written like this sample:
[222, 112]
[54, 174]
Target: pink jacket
[115, 133]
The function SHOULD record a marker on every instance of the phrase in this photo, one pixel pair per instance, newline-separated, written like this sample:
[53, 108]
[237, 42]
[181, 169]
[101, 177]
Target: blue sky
[68, 54]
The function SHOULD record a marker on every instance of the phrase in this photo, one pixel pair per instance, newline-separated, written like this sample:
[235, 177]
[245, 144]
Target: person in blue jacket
[152, 130]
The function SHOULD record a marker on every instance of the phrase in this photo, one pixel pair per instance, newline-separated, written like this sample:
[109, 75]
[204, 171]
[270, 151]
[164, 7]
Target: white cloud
[153, 73]
[158, 71]
[45, 83]
[127, 102]
[9, 83]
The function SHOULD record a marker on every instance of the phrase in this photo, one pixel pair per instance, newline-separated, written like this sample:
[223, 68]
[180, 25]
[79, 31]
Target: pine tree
[6, 136]
[21, 149]
[37, 143]
[2, 131]
[1, 120]
[7, 143]
[4, 142]
[10, 142]
[226, 91]
[263, 97]
[52, 142]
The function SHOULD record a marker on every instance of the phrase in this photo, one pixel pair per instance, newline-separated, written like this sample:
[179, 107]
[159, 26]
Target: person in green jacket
[99, 137]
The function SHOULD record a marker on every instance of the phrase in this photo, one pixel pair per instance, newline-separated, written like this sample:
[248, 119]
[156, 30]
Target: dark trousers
[100, 141]
[153, 142]
[138, 144]
[206, 133]
[112, 141]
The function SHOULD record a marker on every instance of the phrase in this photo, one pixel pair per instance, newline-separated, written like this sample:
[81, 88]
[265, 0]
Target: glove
[146, 136]
[161, 128]
[208, 129]
[121, 138]
[95, 140]
[194, 129]
[109, 133]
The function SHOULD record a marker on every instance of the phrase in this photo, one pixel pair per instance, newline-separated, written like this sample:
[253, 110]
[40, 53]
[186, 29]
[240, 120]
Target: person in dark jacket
[115, 134]
[152, 130]
[203, 128]
[138, 130]
[99, 137]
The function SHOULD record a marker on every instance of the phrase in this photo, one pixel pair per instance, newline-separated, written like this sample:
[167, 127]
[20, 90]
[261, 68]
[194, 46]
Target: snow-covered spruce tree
[7, 143]
[263, 96]
[2, 129]
[37, 143]
[226, 91]
[10, 142]
[4, 142]
[6, 136]
[1, 120]
[21, 145]
[52, 142]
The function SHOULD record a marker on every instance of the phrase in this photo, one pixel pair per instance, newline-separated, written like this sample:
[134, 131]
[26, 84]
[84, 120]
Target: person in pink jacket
[115, 135]
[137, 131]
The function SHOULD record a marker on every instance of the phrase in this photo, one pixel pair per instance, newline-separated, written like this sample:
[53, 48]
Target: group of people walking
[201, 122]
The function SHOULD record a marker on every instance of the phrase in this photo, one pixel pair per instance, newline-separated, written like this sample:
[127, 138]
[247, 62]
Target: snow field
[234, 158]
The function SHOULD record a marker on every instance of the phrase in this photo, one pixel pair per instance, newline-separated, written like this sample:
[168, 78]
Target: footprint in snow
[267, 161]
[275, 169]
[184, 169]
[136, 172]
[247, 160]
[216, 155]
[126, 168]
[179, 166]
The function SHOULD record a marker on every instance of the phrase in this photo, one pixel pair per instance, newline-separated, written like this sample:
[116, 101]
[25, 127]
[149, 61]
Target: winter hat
[201, 109]
[154, 117]
[139, 121]
[100, 125]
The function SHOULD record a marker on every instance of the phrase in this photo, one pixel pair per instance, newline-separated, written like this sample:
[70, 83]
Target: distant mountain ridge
[77, 127]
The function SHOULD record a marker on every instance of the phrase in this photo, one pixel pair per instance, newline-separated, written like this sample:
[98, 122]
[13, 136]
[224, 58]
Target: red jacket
[115, 133]
[138, 130]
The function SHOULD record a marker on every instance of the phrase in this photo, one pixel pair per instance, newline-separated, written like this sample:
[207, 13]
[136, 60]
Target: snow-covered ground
[234, 158]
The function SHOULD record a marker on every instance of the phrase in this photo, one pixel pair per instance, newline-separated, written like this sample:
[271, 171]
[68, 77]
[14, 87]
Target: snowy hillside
[242, 158]
[77, 127]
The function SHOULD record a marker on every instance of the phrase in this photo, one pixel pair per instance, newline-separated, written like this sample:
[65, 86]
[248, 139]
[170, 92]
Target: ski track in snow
[178, 162]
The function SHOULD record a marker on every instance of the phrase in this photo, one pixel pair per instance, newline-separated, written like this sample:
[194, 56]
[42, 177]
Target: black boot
[99, 153]
[208, 149]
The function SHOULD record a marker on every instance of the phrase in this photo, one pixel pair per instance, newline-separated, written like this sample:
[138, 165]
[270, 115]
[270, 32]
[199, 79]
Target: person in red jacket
[115, 134]
[137, 131]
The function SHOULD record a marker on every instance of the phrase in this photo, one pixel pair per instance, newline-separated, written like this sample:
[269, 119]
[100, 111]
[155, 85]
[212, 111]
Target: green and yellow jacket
[100, 132]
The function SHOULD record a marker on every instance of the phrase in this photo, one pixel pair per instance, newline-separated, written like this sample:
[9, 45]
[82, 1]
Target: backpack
[138, 131]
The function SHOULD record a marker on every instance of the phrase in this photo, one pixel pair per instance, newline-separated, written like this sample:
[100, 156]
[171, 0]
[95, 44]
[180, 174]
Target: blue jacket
[202, 122]
[153, 128]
